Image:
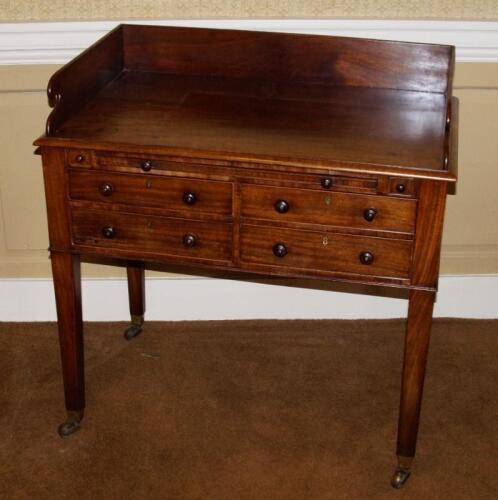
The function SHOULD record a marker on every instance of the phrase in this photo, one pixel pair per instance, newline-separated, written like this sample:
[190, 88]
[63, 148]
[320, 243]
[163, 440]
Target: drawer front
[171, 193]
[323, 182]
[322, 251]
[328, 208]
[145, 164]
[160, 235]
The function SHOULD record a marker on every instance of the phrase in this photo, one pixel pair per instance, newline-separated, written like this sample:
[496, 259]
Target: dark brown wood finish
[326, 251]
[452, 136]
[77, 82]
[262, 153]
[54, 175]
[224, 117]
[67, 283]
[428, 234]
[417, 337]
[152, 234]
[325, 207]
[284, 57]
[179, 194]
[136, 288]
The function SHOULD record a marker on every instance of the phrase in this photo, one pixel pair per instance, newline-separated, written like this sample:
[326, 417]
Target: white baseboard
[174, 299]
[58, 42]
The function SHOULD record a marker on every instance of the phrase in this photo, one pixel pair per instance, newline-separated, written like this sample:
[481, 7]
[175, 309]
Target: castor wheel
[402, 472]
[400, 477]
[135, 328]
[71, 425]
[132, 331]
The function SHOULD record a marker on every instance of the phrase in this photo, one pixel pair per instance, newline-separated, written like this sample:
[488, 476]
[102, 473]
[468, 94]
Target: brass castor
[135, 328]
[400, 477]
[402, 472]
[71, 425]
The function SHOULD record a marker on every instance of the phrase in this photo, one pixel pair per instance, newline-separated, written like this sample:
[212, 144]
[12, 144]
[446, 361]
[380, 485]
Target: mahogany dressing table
[265, 153]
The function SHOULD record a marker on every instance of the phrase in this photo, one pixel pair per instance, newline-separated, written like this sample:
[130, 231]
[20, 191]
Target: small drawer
[79, 157]
[401, 186]
[149, 234]
[380, 213]
[325, 251]
[143, 164]
[169, 193]
[331, 181]
[348, 183]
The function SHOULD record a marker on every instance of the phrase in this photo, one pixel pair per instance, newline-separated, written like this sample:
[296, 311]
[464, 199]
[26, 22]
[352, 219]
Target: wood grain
[263, 153]
[135, 274]
[325, 251]
[428, 234]
[67, 284]
[325, 207]
[54, 176]
[152, 191]
[452, 137]
[414, 364]
[154, 234]
[281, 57]
[354, 125]
[77, 82]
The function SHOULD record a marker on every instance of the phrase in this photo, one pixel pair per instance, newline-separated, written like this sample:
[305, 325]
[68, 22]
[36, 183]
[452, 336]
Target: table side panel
[58, 213]
[428, 233]
[73, 86]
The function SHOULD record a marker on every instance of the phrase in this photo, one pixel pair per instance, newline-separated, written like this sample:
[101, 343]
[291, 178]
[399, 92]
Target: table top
[339, 124]
[333, 103]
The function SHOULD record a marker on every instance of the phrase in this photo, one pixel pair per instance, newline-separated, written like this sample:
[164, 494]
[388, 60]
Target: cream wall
[470, 244]
[29, 10]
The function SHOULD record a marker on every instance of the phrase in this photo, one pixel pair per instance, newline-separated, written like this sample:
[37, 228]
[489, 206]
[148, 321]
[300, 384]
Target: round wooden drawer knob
[109, 232]
[189, 198]
[282, 206]
[147, 166]
[189, 240]
[366, 258]
[326, 182]
[369, 214]
[279, 250]
[106, 189]
[80, 158]
[400, 188]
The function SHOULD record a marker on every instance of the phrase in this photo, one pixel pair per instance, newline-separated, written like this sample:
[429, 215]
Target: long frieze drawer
[172, 193]
[161, 235]
[325, 251]
[328, 208]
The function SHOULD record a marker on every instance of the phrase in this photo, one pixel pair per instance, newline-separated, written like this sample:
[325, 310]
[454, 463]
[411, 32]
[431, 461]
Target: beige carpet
[248, 410]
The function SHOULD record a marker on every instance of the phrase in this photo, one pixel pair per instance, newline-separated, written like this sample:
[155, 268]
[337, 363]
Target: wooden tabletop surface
[272, 119]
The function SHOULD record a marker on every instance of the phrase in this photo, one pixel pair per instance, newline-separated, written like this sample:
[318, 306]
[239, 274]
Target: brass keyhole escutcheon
[325, 241]
[148, 184]
[328, 200]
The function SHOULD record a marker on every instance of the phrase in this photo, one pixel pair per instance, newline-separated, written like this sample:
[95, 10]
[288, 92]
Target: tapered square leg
[417, 337]
[136, 293]
[67, 285]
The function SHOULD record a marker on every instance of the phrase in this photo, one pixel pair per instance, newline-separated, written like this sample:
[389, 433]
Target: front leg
[418, 330]
[67, 284]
